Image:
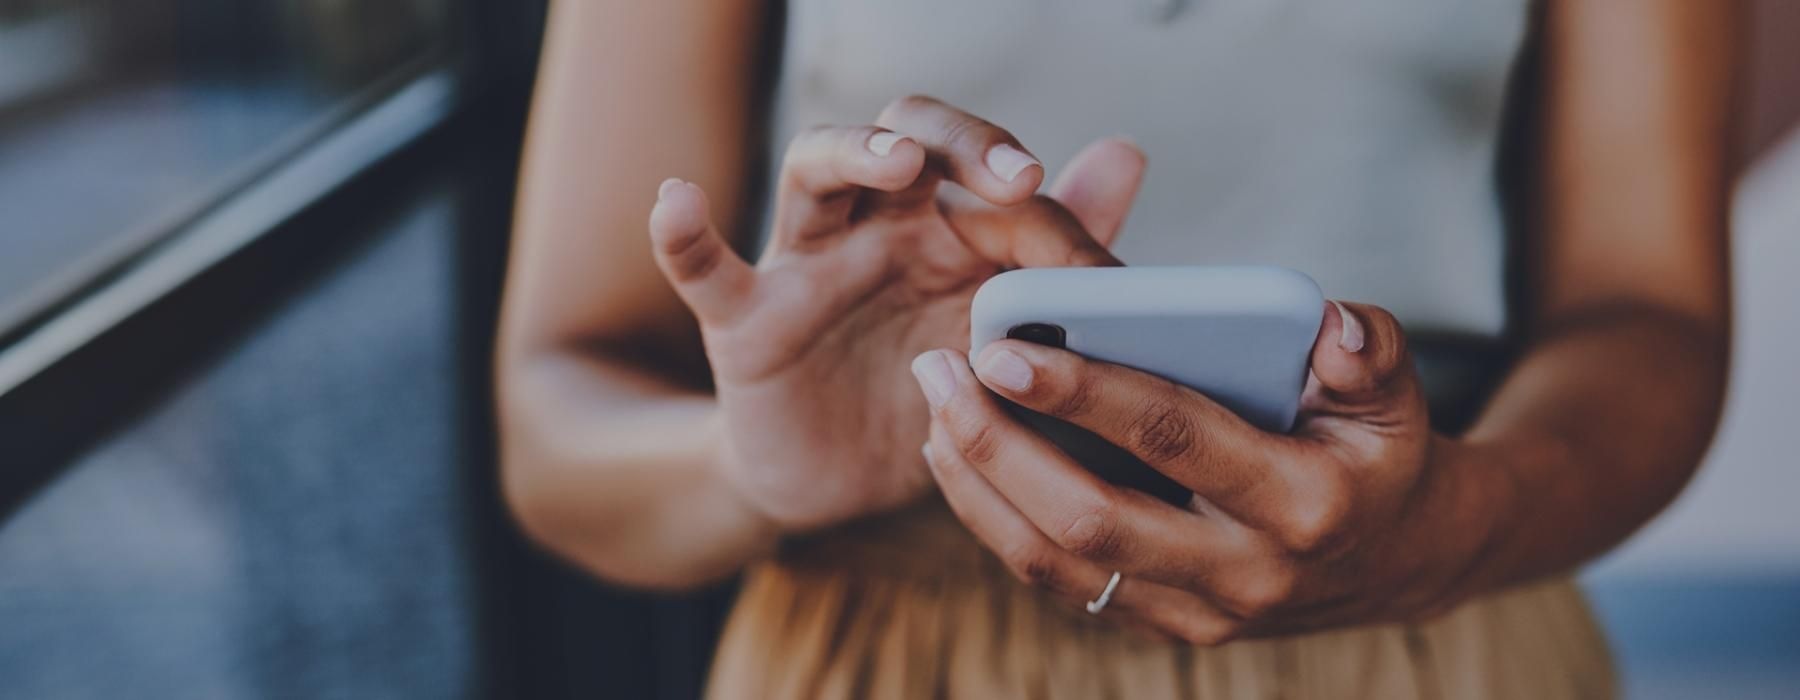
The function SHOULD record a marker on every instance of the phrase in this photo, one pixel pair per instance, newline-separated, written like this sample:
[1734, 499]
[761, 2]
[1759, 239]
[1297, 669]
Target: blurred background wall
[273, 475]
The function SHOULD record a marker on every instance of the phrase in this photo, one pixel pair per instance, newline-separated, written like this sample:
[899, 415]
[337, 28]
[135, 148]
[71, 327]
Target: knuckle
[1078, 255]
[692, 256]
[1095, 535]
[1035, 566]
[977, 439]
[1206, 631]
[904, 104]
[965, 134]
[1313, 523]
[1048, 214]
[1077, 396]
[1264, 592]
[1163, 432]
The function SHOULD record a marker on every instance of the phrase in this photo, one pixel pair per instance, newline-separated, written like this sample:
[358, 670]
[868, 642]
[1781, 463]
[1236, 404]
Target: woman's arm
[614, 453]
[608, 434]
[1608, 413]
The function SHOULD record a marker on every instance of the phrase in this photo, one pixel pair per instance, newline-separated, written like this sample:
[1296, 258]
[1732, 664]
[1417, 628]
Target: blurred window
[120, 120]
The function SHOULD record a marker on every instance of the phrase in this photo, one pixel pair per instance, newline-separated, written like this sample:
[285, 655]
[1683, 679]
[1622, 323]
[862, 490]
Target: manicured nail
[882, 143]
[1350, 338]
[667, 185]
[1006, 369]
[935, 378]
[1007, 162]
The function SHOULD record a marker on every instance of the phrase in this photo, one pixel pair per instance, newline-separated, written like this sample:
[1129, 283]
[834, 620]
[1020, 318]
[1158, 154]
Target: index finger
[1122, 528]
[1192, 439]
[1040, 232]
[972, 152]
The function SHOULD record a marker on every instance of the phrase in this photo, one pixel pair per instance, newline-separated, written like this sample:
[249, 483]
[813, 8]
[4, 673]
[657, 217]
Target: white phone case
[1240, 335]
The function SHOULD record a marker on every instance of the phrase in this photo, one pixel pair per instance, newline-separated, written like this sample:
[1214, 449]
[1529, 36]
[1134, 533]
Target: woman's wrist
[759, 529]
[1465, 519]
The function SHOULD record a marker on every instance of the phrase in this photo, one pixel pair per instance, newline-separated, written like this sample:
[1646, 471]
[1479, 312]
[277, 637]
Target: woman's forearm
[617, 471]
[609, 460]
[1611, 407]
[1601, 423]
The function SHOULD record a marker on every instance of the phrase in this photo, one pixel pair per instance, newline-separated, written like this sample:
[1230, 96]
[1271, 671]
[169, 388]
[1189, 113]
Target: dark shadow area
[280, 479]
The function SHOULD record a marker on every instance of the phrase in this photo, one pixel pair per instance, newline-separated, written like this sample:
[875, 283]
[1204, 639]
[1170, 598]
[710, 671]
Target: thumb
[1360, 357]
[1099, 185]
[695, 258]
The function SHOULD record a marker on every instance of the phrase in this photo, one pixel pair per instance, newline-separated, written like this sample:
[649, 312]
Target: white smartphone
[1241, 335]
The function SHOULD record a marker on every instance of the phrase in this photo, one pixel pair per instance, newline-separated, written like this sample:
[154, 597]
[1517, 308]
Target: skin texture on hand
[1364, 515]
[873, 258]
[1354, 517]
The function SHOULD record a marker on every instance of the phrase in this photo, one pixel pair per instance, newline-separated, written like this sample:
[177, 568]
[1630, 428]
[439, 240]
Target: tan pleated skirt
[910, 606]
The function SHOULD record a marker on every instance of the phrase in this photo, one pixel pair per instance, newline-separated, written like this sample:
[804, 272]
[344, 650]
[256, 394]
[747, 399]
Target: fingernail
[1007, 162]
[1350, 338]
[935, 379]
[1006, 369]
[925, 449]
[667, 185]
[882, 143]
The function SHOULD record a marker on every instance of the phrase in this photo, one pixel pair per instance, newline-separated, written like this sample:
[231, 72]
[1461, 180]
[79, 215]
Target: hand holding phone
[1240, 335]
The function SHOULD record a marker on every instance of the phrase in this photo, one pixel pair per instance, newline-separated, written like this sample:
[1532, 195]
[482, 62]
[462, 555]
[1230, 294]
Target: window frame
[139, 266]
[145, 264]
[102, 352]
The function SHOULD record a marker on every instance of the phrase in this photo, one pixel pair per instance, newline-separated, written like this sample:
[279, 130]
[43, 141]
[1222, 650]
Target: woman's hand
[870, 262]
[1360, 515]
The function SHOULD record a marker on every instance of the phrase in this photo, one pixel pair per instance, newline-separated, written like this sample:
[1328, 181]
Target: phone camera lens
[1040, 333]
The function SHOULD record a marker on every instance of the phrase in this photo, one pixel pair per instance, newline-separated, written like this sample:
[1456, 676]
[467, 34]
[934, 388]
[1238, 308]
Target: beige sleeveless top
[1353, 141]
[1350, 140]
